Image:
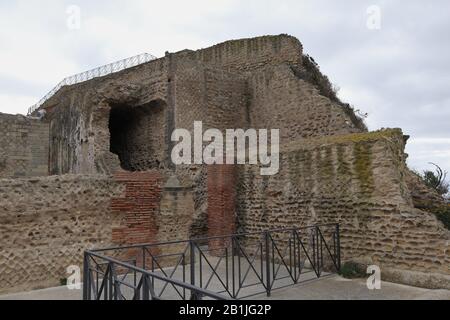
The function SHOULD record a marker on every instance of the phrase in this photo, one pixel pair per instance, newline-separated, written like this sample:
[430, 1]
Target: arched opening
[137, 135]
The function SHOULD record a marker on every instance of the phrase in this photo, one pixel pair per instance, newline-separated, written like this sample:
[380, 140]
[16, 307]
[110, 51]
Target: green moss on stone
[343, 167]
[363, 166]
[325, 161]
[387, 134]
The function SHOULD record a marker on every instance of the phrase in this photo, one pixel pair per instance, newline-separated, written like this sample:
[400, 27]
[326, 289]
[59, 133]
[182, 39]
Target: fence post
[86, 282]
[145, 288]
[111, 282]
[144, 258]
[294, 239]
[338, 236]
[268, 278]
[192, 258]
[115, 284]
[318, 248]
[233, 267]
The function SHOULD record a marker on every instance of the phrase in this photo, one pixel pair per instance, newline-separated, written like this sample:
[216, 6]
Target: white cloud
[399, 74]
[426, 150]
[9, 103]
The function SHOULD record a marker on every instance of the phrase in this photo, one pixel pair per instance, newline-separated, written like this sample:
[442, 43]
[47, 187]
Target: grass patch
[63, 282]
[352, 270]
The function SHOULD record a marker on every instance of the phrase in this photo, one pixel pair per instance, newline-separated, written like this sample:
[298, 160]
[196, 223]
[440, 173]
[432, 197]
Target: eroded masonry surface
[96, 170]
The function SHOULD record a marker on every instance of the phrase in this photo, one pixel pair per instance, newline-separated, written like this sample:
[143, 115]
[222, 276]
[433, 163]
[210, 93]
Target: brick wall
[24, 144]
[153, 211]
[139, 206]
[221, 203]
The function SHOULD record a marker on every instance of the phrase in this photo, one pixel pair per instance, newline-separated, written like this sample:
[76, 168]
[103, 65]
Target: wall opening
[137, 135]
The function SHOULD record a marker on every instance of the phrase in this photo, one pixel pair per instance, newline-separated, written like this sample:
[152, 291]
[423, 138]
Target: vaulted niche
[138, 135]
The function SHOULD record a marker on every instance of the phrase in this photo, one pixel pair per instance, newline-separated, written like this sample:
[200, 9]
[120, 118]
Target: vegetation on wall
[437, 180]
[311, 72]
[352, 270]
[443, 214]
[363, 166]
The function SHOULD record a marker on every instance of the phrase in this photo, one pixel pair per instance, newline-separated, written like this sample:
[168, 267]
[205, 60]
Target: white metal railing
[94, 73]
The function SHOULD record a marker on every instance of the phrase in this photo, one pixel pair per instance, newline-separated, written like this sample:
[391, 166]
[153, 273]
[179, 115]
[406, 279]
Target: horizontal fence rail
[95, 73]
[224, 267]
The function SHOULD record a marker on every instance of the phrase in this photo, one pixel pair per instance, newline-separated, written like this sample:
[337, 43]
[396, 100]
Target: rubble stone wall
[208, 85]
[79, 117]
[280, 100]
[237, 84]
[358, 181]
[331, 169]
[46, 223]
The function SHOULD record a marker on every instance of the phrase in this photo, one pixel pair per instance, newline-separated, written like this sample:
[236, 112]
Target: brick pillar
[139, 208]
[221, 203]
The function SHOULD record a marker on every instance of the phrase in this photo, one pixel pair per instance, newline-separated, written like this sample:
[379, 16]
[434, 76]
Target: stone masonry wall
[218, 99]
[125, 120]
[358, 181]
[79, 117]
[23, 147]
[138, 135]
[280, 100]
[248, 55]
[46, 223]
[175, 219]
[79, 114]
[236, 84]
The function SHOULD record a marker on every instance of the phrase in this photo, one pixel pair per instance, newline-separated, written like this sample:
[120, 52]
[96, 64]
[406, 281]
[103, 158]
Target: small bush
[443, 214]
[352, 270]
[63, 282]
[437, 180]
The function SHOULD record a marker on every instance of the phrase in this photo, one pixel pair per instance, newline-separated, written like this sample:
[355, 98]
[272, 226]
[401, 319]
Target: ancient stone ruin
[96, 171]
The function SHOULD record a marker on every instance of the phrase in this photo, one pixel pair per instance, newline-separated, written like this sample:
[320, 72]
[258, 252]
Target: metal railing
[105, 278]
[95, 73]
[225, 267]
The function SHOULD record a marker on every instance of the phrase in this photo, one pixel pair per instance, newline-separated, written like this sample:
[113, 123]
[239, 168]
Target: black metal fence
[224, 267]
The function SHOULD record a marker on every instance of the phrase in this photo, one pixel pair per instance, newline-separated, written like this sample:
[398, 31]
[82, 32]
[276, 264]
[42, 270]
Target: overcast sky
[395, 68]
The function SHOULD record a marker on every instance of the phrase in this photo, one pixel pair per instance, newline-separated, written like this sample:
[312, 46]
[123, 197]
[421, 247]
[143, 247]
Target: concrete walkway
[329, 288]
[338, 288]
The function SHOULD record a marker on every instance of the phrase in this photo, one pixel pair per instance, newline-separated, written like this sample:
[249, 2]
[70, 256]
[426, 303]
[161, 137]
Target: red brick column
[222, 182]
[139, 207]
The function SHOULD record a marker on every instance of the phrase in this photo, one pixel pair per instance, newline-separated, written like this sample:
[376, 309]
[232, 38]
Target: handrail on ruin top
[95, 73]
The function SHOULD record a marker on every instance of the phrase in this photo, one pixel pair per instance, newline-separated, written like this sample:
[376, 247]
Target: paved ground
[329, 288]
[338, 288]
[246, 284]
